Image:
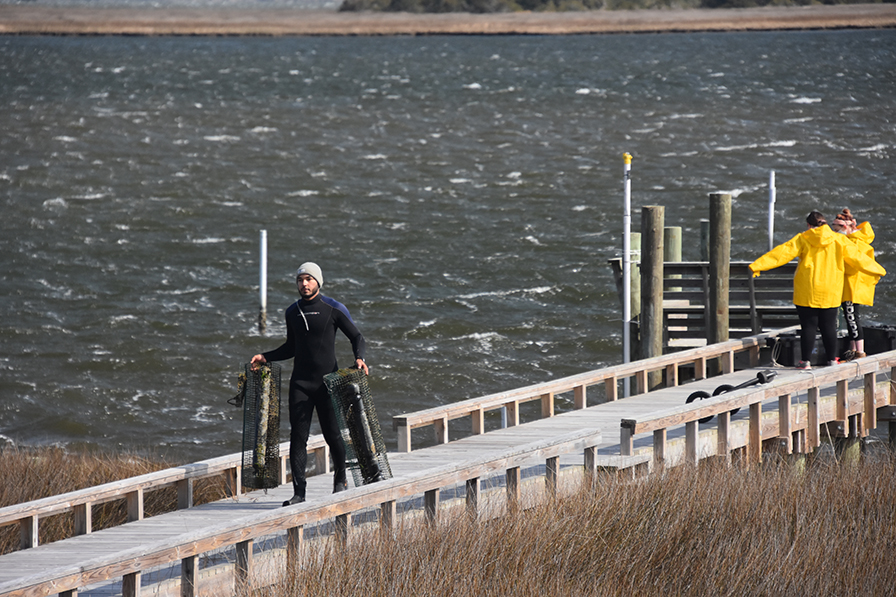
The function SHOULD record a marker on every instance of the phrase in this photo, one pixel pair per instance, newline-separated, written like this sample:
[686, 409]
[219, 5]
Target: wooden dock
[644, 431]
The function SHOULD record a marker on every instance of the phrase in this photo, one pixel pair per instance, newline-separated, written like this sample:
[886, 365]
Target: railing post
[692, 442]
[295, 537]
[590, 465]
[404, 438]
[28, 532]
[552, 475]
[812, 431]
[870, 418]
[440, 426]
[659, 448]
[642, 382]
[626, 440]
[135, 505]
[513, 413]
[233, 481]
[243, 567]
[388, 513]
[728, 362]
[477, 419]
[842, 408]
[672, 375]
[723, 431]
[699, 368]
[547, 405]
[514, 488]
[189, 576]
[130, 585]
[580, 397]
[431, 506]
[184, 494]
[892, 384]
[343, 523]
[799, 442]
[284, 467]
[612, 389]
[83, 515]
[754, 352]
[892, 400]
[784, 427]
[755, 449]
[472, 497]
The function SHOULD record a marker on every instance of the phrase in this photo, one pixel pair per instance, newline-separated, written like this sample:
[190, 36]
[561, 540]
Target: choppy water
[462, 194]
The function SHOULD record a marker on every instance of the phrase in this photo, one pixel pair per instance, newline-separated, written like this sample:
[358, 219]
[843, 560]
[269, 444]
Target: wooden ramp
[126, 559]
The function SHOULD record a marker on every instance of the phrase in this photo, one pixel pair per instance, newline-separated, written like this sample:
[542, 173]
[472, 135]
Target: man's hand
[360, 364]
[257, 361]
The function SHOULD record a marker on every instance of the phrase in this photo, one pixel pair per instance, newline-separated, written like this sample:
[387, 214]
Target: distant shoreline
[30, 19]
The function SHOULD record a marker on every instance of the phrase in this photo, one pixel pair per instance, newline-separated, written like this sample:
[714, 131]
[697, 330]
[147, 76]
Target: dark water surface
[462, 194]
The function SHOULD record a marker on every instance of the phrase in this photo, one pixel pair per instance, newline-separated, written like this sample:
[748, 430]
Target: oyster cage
[261, 426]
[365, 451]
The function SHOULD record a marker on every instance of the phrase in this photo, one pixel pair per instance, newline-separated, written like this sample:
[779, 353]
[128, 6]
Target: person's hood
[864, 233]
[820, 236]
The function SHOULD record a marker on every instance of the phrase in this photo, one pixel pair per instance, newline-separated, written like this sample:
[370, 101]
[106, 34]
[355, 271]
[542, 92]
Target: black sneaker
[339, 485]
[296, 499]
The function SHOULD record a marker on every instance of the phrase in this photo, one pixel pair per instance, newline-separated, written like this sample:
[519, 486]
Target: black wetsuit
[311, 340]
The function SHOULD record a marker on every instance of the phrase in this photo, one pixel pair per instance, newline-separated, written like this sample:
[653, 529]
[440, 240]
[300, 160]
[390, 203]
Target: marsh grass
[821, 528]
[30, 474]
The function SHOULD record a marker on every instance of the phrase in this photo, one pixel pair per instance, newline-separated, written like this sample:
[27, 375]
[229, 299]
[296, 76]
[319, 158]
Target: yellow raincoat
[859, 286]
[824, 255]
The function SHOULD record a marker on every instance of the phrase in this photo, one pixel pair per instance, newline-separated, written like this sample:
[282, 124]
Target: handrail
[475, 408]
[240, 533]
[753, 397]
[81, 501]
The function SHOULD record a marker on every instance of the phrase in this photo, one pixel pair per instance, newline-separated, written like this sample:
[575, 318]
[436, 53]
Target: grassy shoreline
[29, 19]
[822, 524]
[825, 528]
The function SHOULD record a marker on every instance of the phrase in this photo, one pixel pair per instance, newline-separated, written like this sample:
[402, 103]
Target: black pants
[301, 407]
[851, 315]
[818, 320]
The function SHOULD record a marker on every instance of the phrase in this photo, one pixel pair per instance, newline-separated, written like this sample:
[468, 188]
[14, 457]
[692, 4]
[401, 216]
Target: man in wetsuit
[311, 324]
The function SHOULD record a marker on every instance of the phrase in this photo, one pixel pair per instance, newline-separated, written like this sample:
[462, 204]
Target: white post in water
[263, 282]
[771, 211]
[626, 267]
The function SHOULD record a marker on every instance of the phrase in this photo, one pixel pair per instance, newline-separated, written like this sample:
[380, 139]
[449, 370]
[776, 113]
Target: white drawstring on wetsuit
[299, 307]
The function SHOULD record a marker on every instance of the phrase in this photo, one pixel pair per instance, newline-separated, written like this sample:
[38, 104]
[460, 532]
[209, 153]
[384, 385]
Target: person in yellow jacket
[818, 283]
[858, 287]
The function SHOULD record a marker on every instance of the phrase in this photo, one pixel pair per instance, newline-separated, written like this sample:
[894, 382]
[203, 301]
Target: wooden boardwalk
[120, 560]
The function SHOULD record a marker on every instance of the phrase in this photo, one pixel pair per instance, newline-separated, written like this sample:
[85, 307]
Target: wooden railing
[129, 565]
[754, 304]
[475, 408]
[81, 502]
[818, 410]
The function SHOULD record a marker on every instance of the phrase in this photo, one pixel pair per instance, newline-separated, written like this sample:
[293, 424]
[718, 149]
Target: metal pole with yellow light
[626, 267]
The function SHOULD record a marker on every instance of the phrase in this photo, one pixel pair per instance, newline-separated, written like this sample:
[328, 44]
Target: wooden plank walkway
[605, 419]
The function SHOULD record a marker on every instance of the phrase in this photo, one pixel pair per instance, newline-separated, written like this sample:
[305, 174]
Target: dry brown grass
[819, 529]
[30, 474]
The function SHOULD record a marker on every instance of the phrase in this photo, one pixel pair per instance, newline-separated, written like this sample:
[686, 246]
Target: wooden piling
[719, 266]
[672, 248]
[652, 218]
